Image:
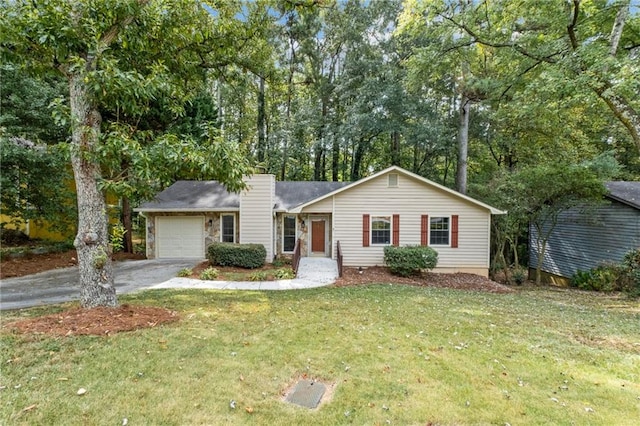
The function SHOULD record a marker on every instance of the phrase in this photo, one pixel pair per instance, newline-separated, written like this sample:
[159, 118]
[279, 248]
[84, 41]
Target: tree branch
[618, 26]
[571, 28]
[477, 39]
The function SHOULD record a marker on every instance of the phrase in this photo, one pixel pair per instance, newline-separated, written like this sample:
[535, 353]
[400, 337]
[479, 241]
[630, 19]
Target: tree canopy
[468, 94]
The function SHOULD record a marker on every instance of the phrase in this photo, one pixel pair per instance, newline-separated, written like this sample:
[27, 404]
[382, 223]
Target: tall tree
[589, 43]
[112, 51]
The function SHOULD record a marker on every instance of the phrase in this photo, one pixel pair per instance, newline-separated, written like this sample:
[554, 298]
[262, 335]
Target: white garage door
[180, 236]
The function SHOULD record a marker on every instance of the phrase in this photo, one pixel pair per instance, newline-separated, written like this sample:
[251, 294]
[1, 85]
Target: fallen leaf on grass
[249, 410]
[29, 408]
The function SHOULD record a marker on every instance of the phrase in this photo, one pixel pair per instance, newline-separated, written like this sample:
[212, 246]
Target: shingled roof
[626, 192]
[185, 195]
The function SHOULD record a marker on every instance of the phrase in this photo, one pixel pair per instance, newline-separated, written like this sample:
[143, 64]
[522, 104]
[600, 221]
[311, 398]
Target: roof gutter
[186, 210]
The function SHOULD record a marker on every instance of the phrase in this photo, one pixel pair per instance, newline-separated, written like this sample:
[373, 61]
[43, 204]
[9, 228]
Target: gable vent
[393, 180]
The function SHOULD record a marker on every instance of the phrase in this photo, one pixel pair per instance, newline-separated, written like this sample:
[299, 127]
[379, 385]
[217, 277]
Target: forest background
[528, 106]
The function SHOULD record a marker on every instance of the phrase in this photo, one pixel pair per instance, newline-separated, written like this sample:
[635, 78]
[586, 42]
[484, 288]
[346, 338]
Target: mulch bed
[460, 281]
[99, 321]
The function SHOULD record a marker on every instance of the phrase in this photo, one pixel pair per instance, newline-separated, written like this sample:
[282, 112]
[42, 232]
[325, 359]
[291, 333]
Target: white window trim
[429, 226]
[390, 218]
[295, 218]
[222, 225]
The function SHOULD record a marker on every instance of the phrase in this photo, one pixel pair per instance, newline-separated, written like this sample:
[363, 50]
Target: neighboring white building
[391, 207]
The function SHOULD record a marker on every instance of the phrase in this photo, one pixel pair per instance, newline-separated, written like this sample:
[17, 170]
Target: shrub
[248, 256]
[519, 275]
[605, 277]
[185, 272]
[630, 273]
[281, 261]
[284, 274]
[408, 260]
[580, 279]
[116, 237]
[258, 276]
[209, 274]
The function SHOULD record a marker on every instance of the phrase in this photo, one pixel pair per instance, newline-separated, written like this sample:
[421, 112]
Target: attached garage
[180, 237]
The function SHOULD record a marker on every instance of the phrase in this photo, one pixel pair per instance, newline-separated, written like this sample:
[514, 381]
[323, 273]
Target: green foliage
[284, 274]
[210, 273]
[631, 273]
[116, 237]
[185, 272]
[519, 275]
[603, 278]
[408, 260]
[258, 276]
[100, 259]
[248, 256]
[35, 183]
[608, 277]
[281, 261]
[26, 105]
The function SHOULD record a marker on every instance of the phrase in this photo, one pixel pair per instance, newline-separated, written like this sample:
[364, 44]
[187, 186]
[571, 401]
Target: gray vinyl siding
[583, 239]
[256, 212]
[410, 200]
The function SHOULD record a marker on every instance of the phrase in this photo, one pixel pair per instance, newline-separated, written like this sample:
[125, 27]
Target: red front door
[317, 236]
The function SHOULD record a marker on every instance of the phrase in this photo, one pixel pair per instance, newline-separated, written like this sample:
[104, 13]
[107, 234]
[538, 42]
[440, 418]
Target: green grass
[397, 355]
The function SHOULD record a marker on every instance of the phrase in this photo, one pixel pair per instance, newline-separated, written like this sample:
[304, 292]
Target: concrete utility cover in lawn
[307, 393]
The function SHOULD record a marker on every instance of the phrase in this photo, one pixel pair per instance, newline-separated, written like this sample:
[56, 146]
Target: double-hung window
[380, 230]
[228, 231]
[439, 231]
[288, 234]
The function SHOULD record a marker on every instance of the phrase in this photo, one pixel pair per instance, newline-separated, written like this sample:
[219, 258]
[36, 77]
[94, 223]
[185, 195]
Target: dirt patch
[460, 281]
[326, 397]
[99, 321]
[33, 263]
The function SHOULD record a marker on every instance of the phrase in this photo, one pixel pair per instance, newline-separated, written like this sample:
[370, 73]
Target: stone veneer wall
[302, 234]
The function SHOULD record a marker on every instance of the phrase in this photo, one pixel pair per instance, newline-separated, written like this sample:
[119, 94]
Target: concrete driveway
[61, 285]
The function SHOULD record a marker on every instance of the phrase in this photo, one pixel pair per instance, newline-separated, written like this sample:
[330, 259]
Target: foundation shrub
[408, 260]
[248, 256]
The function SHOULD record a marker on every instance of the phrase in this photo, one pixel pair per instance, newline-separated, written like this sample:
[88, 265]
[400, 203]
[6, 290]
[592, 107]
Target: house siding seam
[413, 199]
[584, 239]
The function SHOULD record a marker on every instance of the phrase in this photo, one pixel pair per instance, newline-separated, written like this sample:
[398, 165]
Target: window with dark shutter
[439, 231]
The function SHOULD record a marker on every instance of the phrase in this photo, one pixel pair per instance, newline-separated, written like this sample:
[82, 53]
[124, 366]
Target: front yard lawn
[389, 354]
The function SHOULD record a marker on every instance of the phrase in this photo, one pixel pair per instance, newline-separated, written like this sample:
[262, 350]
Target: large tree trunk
[395, 148]
[463, 145]
[127, 223]
[92, 240]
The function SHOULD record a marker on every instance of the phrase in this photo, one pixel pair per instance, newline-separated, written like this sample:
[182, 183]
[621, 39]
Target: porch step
[318, 269]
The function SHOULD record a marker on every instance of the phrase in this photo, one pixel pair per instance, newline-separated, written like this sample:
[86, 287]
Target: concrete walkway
[312, 272]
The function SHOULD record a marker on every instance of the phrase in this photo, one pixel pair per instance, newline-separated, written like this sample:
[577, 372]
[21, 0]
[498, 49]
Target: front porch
[311, 232]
